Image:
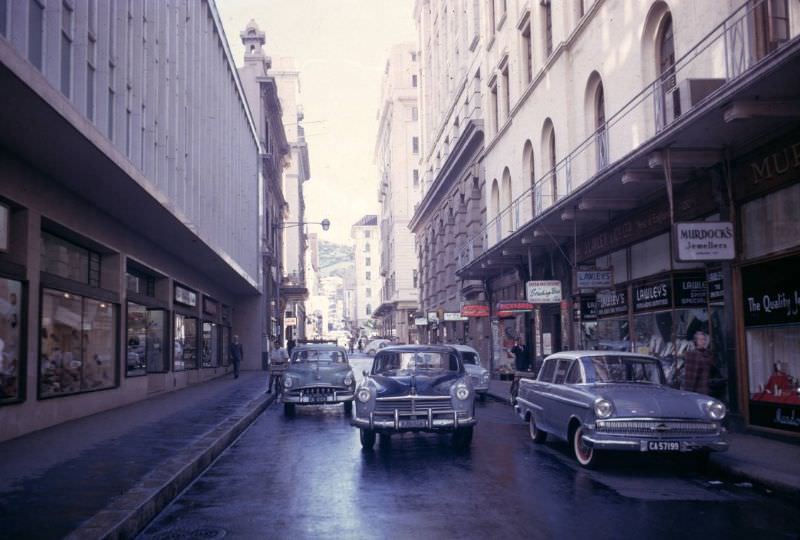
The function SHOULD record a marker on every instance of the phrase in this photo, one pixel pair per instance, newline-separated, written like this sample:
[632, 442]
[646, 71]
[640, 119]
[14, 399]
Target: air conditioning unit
[688, 93]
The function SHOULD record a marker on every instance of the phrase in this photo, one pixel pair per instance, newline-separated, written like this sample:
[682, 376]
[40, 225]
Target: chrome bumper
[640, 444]
[398, 422]
[317, 399]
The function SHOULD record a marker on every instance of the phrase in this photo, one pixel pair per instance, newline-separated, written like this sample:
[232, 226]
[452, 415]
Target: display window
[185, 343]
[226, 345]
[78, 344]
[146, 336]
[210, 351]
[11, 341]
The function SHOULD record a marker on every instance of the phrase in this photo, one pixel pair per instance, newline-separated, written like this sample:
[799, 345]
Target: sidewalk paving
[768, 462]
[108, 474]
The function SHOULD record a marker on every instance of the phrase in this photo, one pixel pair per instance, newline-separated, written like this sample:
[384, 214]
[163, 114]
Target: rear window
[546, 374]
[330, 355]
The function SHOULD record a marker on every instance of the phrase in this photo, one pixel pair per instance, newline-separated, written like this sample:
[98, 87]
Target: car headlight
[363, 395]
[348, 379]
[485, 377]
[715, 409]
[603, 408]
[462, 392]
[288, 382]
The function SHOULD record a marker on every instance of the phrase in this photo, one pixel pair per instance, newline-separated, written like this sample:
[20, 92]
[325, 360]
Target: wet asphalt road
[307, 477]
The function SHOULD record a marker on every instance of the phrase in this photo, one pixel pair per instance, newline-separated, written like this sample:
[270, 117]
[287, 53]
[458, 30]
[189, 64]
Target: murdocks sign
[705, 241]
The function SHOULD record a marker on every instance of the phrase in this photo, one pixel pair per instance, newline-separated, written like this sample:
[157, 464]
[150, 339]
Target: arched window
[549, 151]
[601, 133]
[369, 309]
[508, 221]
[665, 61]
[554, 177]
[495, 208]
[529, 173]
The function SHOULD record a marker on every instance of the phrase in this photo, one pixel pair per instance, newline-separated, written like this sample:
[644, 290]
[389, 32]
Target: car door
[562, 405]
[537, 393]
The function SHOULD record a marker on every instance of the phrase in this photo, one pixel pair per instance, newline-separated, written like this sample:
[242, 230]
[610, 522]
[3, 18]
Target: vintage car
[415, 388]
[376, 345]
[318, 374]
[472, 363]
[608, 400]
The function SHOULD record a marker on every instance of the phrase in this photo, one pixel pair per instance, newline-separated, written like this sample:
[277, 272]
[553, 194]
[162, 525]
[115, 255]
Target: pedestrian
[290, 345]
[697, 365]
[237, 354]
[360, 345]
[352, 344]
[520, 362]
[278, 359]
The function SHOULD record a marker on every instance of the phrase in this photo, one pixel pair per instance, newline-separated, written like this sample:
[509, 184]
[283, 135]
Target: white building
[397, 156]
[365, 234]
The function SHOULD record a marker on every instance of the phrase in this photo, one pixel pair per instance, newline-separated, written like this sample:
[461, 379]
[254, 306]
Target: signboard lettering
[514, 306]
[652, 296]
[771, 292]
[290, 321]
[585, 309]
[475, 310]
[612, 303]
[595, 279]
[716, 291]
[450, 316]
[543, 292]
[185, 296]
[691, 291]
[420, 321]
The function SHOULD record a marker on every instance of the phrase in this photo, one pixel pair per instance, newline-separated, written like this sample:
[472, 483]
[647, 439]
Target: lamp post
[326, 224]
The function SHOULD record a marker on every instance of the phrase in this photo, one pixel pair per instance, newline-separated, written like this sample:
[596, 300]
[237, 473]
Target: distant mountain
[335, 259]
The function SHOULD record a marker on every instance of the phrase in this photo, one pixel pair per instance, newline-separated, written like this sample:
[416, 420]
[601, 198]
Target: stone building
[366, 244]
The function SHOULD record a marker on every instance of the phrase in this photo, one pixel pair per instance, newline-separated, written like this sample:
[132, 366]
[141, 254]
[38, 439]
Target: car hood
[309, 373]
[650, 400]
[429, 383]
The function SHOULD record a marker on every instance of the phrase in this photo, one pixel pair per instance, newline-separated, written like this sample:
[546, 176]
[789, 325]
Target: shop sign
[612, 303]
[690, 291]
[771, 292]
[716, 290]
[453, 316]
[209, 306]
[595, 279]
[185, 296]
[475, 310]
[514, 307]
[4, 226]
[705, 241]
[543, 292]
[652, 296]
[433, 317]
[767, 168]
[585, 309]
[290, 321]
[420, 321]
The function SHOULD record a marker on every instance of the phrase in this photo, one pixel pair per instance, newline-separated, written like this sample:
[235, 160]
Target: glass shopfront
[185, 343]
[210, 352]
[226, 345]
[146, 329]
[11, 341]
[78, 344]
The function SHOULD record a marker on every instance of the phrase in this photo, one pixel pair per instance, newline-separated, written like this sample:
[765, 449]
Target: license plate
[663, 446]
[314, 399]
[413, 423]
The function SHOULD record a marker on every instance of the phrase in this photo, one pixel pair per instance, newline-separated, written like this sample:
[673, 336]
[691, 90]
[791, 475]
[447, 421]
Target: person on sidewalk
[697, 365]
[237, 354]
[278, 360]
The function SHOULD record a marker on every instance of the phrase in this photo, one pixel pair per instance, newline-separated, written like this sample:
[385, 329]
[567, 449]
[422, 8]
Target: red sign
[475, 310]
[514, 306]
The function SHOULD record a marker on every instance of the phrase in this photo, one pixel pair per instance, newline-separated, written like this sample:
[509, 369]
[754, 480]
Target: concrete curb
[719, 464]
[130, 513]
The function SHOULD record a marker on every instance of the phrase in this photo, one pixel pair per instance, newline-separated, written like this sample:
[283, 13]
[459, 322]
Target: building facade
[640, 167]
[366, 243]
[130, 244]
[397, 158]
[452, 206]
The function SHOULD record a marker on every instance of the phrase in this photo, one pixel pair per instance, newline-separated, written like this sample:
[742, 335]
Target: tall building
[130, 241]
[397, 152]
[365, 234]
[452, 207]
[641, 185]
[263, 98]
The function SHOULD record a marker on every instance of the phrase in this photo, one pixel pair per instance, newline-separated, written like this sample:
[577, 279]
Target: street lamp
[326, 224]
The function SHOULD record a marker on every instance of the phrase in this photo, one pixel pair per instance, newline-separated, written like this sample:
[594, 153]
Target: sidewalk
[761, 460]
[108, 474]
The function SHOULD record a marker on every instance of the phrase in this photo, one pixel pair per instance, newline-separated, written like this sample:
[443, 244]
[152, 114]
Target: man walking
[697, 365]
[236, 355]
[278, 358]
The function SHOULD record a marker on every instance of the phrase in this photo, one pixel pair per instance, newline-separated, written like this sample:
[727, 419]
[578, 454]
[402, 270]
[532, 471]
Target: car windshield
[317, 356]
[404, 363]
[616, 369]
[470, 358]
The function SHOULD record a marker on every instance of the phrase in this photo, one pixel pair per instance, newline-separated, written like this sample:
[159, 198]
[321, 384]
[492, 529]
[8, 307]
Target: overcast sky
[340, 48]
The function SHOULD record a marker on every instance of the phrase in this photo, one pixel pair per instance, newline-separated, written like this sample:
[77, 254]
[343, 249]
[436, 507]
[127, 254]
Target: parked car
[472, 363]
[318, 374]
[608, 400]
[376, 345]
[415, 388]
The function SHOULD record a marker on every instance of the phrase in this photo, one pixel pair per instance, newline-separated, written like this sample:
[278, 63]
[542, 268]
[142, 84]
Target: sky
[340, 48]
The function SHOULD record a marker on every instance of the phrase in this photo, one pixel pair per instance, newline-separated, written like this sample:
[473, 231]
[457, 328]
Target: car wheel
[367, 439]
[584, 454]
[348, 408]
[288, 409]
[537, 434]
[462, 437]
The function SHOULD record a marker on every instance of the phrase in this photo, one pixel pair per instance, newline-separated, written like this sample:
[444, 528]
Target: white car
[375, 345]
[472, 363]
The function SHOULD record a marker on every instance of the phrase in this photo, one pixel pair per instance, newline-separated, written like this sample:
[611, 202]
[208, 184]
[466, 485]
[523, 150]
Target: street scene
[399, 268]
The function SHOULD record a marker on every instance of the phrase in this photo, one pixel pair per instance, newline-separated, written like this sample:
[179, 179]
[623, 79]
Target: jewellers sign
[705, 241]
[543, 292]
[595, 279]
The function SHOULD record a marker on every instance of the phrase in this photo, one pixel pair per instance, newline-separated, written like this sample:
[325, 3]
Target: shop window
[140, 283]
[185, 343]
[774, 376]
[772, 223]
[78, 344]
[210, 352]
[226, 345]
[613, 334]
[11, 343]
[68, 260]
[146, 335]
[650, 257]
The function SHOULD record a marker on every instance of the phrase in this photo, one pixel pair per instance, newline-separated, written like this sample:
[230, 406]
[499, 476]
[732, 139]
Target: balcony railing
[723, 55]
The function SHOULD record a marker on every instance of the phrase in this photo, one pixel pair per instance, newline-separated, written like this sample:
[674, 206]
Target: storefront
[186, 329]
[147, 323]
[768, 195]
[12, 338]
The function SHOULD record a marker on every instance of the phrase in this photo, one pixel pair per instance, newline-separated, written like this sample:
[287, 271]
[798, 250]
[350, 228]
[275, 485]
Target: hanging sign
[185, 296]
[716, 290]
[420, 321]
[705, 241]
[513, 307]
[290, 321]
[656, 295]
[612, 303]
[595, 279]
[475, 310]
[585, 309]
[450, 316]
[543, 292]
[433, 317]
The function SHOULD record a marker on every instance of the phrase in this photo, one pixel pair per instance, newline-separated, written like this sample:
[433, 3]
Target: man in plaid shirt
[697, 366]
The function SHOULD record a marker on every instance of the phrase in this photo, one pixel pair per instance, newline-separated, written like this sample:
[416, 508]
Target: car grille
[315, 391]
[656, 427]
[414, 406]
